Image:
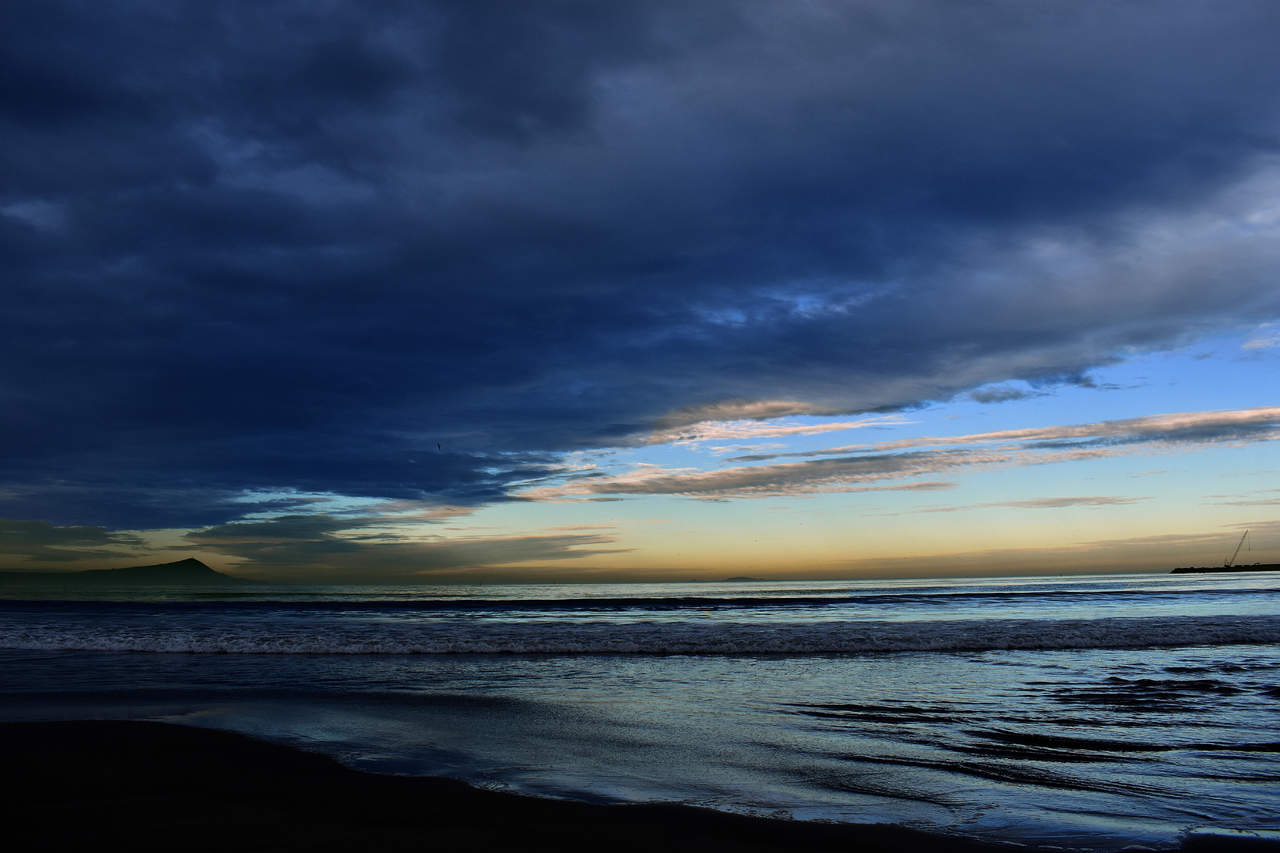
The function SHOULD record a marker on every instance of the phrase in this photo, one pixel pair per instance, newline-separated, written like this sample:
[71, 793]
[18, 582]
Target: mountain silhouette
[188, 571]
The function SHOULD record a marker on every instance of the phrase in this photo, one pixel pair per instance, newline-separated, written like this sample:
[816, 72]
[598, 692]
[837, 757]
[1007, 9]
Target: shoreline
[151, 786]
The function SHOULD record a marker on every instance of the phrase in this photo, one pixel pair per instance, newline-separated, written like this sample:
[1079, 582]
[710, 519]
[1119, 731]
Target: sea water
[1089, 712]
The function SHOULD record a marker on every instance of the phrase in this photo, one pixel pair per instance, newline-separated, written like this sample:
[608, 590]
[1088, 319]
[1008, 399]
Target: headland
[180, 572]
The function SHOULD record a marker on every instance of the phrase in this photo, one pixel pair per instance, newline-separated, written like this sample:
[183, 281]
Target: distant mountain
[188, 571]
[743, 579]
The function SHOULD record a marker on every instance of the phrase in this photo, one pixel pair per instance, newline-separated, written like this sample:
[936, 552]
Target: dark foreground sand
[151, 786]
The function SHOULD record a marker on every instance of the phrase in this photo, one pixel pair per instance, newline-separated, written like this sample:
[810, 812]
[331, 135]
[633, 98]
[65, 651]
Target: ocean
[1089, 712]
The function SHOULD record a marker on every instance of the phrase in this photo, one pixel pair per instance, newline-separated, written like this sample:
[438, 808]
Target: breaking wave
[249, 634]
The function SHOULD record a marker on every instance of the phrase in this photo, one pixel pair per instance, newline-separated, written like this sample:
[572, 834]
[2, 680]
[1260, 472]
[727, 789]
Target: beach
[152, 786]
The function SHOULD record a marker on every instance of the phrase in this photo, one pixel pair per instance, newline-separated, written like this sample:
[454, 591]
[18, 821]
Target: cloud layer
[42, 542]
[418, 251]
[375, 549]
[867, 466]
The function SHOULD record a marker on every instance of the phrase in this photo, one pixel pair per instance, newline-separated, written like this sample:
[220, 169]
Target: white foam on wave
[641, 637]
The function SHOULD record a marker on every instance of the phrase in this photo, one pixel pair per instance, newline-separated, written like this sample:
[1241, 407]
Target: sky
[550, 291]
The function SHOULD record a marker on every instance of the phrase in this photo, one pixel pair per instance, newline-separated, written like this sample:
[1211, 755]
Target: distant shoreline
[1255, 567]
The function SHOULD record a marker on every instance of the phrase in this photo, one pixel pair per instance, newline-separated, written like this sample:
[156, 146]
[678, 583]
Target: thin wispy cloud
[853, 468]
[1267, 336]
[1001, 394]
[728, 449]
[1046, 503]
[745, 430]
[1264, 497]
[1256, 424]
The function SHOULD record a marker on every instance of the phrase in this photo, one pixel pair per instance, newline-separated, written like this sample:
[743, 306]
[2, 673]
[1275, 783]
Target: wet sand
[152, 786]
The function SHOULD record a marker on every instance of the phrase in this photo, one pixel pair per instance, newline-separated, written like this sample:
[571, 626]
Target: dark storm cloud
[417, 250]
